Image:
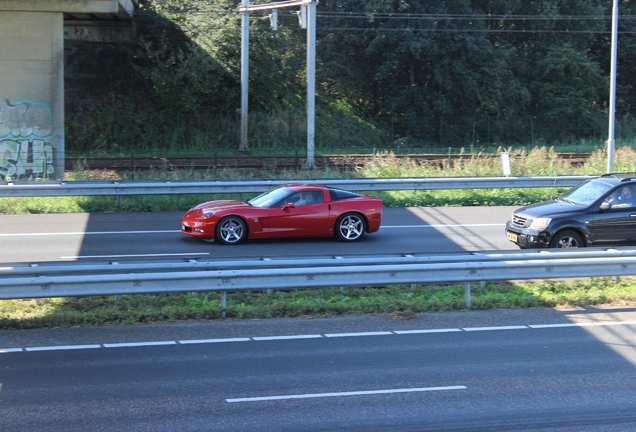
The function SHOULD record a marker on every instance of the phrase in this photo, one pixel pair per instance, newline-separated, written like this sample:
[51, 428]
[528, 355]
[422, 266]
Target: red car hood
[221, 205]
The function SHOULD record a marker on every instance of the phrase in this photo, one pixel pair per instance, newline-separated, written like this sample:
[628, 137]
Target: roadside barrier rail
[72, 279]
[79, 267]
[133, 187]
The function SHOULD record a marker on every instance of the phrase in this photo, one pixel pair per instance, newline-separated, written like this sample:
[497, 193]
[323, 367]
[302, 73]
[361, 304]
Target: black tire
[567, 239]
[350, 227]
[231, 230]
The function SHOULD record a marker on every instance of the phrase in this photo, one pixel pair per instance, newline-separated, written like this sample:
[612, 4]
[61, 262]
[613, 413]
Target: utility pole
[245, 73]
[311, 81]
[307, 16]
[611, 144]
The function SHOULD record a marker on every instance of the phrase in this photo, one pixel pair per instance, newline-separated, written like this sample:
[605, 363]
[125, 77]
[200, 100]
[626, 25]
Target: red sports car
[290, 210]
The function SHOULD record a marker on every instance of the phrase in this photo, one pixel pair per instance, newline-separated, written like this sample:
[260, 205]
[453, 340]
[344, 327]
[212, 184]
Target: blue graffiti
[26, 119]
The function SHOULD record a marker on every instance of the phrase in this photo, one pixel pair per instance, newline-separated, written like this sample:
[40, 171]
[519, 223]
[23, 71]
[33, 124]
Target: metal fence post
[223, 303]
[467, 294]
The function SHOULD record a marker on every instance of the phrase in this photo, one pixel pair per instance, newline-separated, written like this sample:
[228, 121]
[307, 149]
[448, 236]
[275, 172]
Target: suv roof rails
[632, 174]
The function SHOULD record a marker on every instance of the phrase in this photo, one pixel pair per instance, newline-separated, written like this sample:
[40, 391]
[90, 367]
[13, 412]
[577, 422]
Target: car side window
[623, 197]
[302, 199]
[308, 197]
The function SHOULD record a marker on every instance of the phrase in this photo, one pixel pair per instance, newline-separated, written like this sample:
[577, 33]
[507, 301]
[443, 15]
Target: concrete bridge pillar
[32, 80]
[32, 94]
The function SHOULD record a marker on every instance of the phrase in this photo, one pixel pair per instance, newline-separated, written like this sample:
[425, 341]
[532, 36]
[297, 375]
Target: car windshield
[586, 192]
[272, 196]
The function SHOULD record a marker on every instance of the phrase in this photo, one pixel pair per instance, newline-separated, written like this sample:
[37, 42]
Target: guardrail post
[223, 303]
[467, 294]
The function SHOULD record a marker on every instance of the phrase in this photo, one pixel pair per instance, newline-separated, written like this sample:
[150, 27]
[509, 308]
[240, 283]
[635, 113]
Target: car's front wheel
[566, 239]
[231, 230]
[350, 227]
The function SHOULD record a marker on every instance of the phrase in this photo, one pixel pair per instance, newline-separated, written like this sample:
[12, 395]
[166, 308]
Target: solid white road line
[610, 323]
[443, 226]
[82, 233]
[358, 334]
[204, 341]
[541, 326]
[62, 347]
[340, 394]
[88, 233]
[133, 256]
[268, 338]
[428, 331]
[138, 344]
[494, 328]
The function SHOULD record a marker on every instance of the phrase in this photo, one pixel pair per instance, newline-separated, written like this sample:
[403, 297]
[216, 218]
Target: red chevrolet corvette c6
[290, 210]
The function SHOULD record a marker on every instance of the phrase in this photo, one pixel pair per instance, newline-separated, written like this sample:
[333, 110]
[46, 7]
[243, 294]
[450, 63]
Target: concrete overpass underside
[32, 34]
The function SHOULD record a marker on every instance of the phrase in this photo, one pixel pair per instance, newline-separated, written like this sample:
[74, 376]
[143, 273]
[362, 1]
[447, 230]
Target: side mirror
[605, 206]
[288, 206]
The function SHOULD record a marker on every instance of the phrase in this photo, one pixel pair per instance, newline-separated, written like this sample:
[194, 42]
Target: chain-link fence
[120, 134]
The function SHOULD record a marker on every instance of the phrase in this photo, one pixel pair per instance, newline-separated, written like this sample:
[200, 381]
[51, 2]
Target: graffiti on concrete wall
[26, 157]
[25, 130]
[26, 119]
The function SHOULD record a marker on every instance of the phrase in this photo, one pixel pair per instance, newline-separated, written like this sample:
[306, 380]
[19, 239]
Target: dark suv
[598, 211]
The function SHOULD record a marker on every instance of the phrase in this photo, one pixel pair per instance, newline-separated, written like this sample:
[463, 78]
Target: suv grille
[519, 220]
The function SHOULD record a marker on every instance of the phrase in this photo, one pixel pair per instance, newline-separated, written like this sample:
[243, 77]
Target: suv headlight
[540, 223]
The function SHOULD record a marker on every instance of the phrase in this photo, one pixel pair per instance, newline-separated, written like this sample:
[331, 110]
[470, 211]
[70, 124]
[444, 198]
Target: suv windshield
[586, 193]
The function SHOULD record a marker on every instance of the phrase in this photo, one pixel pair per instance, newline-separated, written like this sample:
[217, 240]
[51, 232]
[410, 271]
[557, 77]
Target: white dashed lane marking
[310, 336]
[341, 394]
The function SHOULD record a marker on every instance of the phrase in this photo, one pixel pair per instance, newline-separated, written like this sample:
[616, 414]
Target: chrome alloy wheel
[350, 227]
[231, 230]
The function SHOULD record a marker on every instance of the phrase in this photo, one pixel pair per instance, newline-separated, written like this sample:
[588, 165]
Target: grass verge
[400, 302]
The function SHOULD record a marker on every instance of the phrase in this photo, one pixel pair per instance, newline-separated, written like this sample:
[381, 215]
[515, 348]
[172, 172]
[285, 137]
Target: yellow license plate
[512, 237]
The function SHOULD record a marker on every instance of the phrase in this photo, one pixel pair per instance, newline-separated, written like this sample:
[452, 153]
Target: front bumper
[527, 238]
[196, 228]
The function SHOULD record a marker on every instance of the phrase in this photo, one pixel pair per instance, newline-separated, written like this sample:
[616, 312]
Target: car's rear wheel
[231, 230]
[350, 227]
[566, 239]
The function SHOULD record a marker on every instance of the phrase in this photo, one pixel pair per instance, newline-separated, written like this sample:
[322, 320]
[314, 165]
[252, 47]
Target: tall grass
[540, 161]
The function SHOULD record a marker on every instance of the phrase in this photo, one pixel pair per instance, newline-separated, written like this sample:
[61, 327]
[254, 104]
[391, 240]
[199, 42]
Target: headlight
[206, 213]
[540, 223]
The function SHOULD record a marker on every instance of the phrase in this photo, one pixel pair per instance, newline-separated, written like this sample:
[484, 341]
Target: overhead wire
[371, 18]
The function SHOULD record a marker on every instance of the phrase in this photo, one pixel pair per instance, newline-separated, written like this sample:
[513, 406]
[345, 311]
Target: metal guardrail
[71, 279]
[83, 267]
[124, 188]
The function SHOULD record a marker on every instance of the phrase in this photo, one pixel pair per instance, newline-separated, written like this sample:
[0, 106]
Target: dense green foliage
[437, 73]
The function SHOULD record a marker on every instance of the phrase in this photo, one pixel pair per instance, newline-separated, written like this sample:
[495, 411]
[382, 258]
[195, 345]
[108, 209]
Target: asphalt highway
[536, 370]
[116, 236]
[517, 370]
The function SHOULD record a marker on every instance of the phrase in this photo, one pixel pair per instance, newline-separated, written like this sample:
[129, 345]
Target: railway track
[265, 163]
